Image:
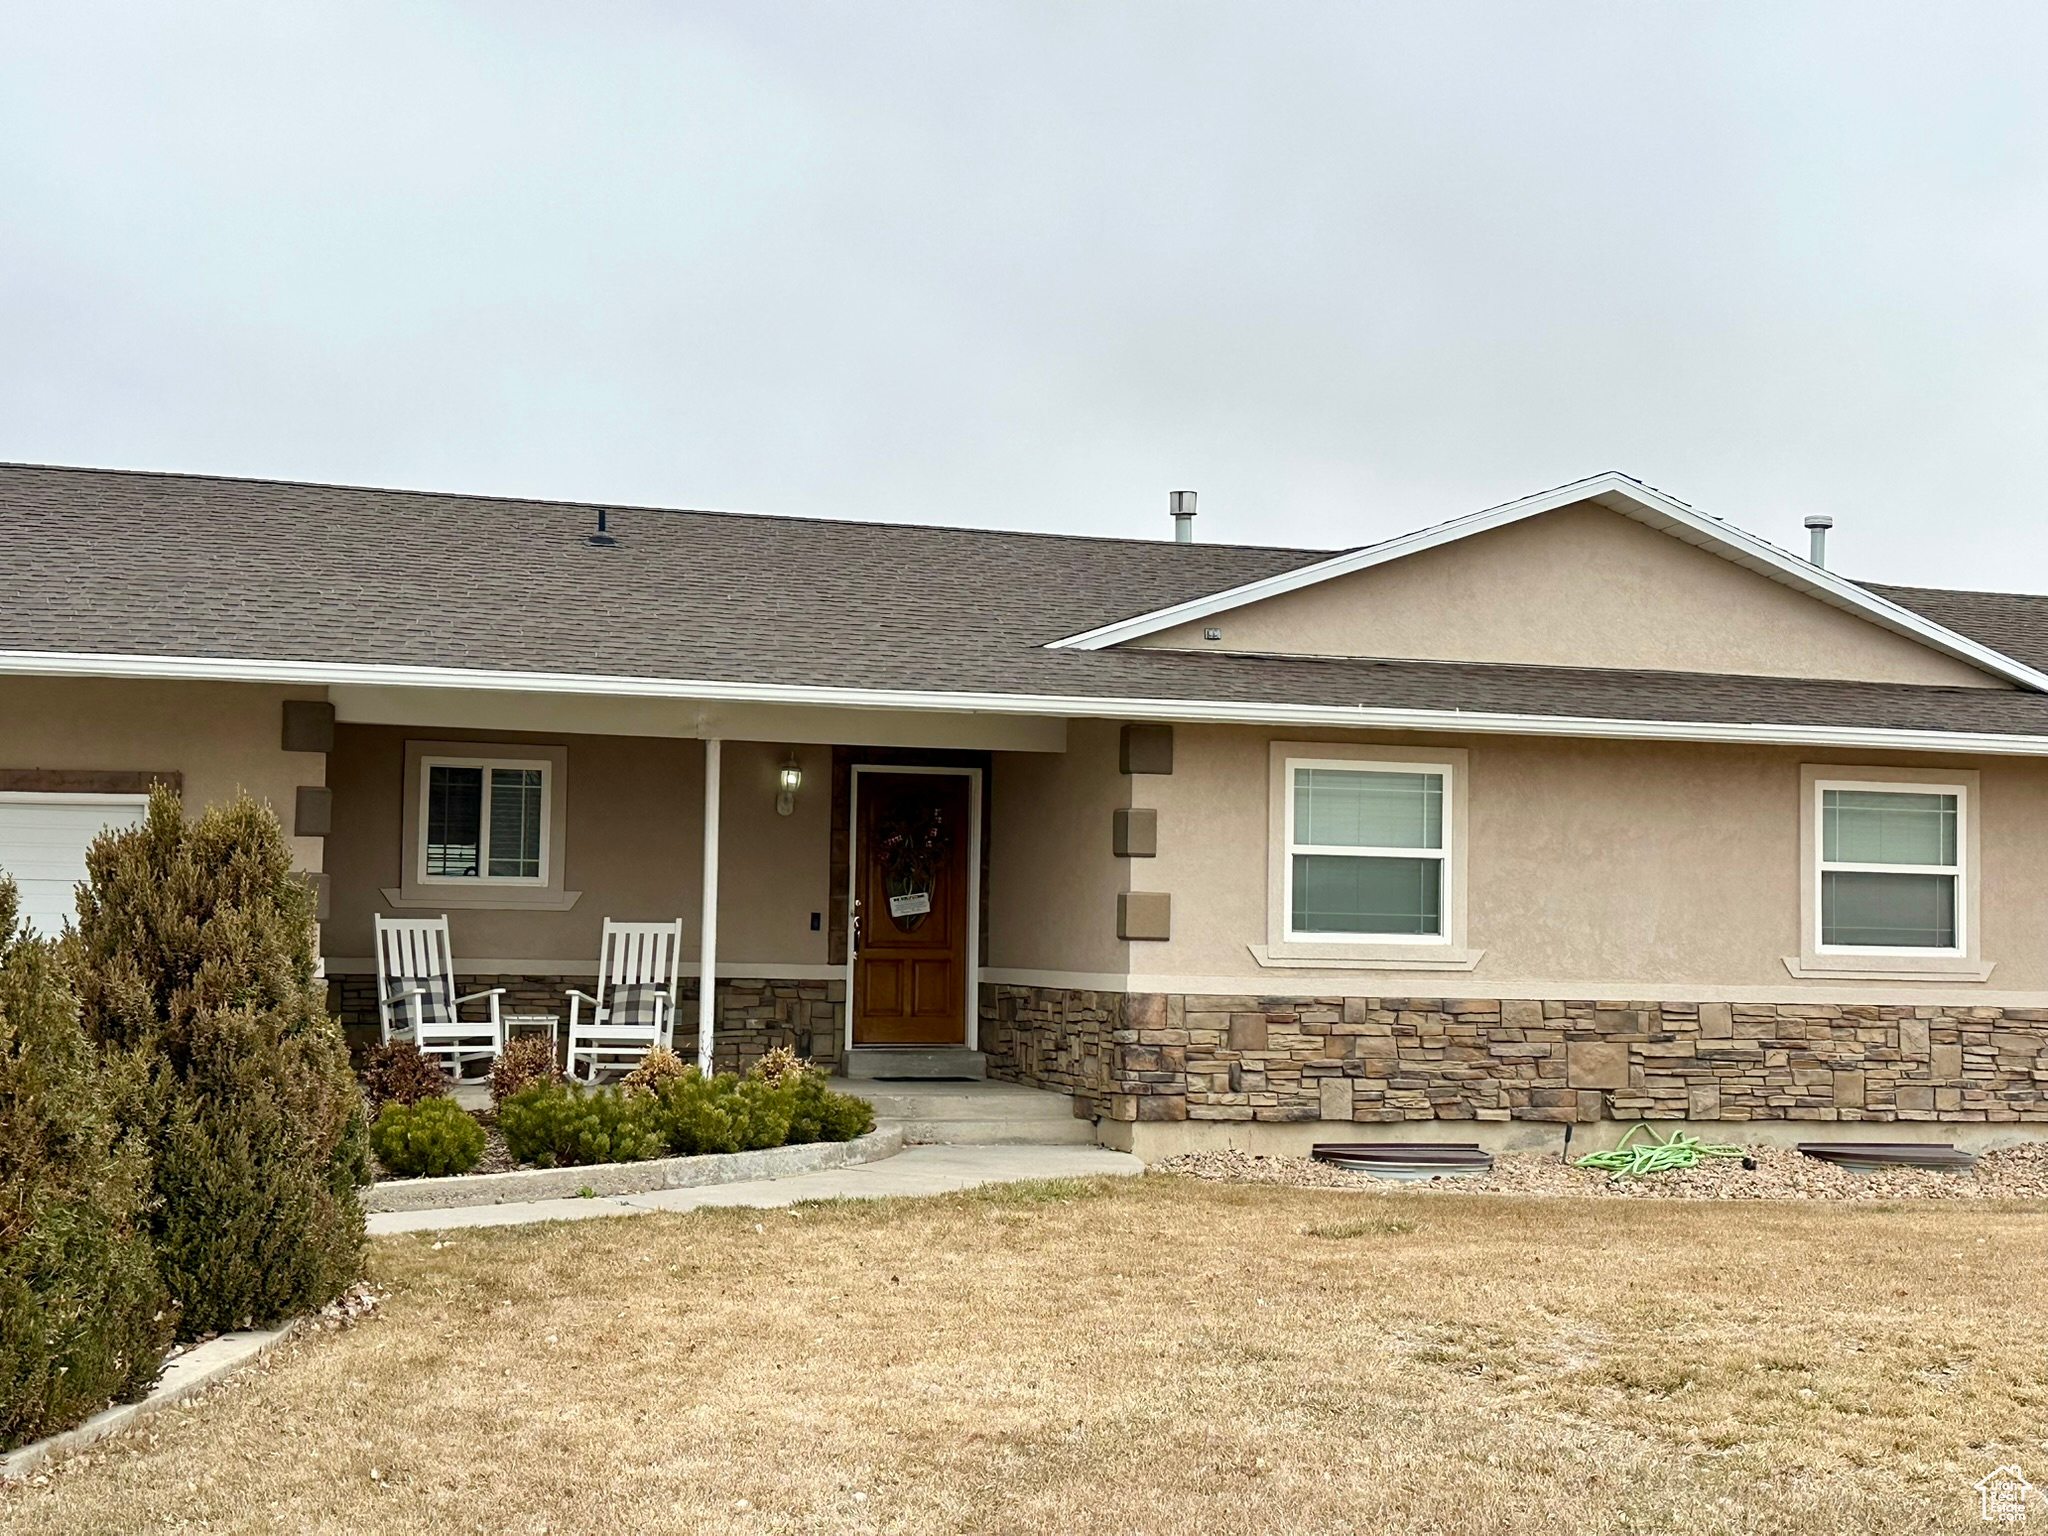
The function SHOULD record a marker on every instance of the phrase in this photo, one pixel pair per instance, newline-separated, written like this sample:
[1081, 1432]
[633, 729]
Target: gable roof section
[1632, 499]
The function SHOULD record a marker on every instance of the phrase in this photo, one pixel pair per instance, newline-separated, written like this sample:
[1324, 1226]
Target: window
[1365, 858]
[1367, 851]
[1891, 868]
[484, 827]
[483, 821]
[1889, 880]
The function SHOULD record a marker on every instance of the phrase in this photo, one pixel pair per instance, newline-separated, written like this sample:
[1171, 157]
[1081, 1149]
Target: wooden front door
[910, 938]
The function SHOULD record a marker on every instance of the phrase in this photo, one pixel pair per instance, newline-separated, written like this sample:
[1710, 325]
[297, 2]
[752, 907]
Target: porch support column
[707, 986]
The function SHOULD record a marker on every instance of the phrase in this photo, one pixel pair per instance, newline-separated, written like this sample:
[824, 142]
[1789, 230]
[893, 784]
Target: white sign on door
[912, 904]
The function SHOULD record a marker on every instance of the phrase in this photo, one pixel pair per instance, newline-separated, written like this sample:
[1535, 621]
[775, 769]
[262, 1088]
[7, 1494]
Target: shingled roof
[195, 565]
[115, 563]
[2013, 622]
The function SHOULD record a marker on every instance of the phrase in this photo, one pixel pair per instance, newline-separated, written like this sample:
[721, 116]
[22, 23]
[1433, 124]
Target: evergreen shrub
[667, 1107]
[781, 1100]
[563, 1125]
[84, 1320]
[430, 1139]
[724, 1113]
[194, 962]
[819, 1113]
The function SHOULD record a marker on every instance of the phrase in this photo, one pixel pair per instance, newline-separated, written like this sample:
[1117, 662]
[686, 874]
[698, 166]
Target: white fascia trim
[1617, 493]
[1343, 717]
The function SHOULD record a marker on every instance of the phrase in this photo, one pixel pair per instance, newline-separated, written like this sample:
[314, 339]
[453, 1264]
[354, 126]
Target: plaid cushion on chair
[435, 1005]
[635, 1004]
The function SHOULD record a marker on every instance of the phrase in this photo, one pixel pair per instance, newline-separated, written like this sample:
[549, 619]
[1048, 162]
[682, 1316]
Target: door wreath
[912, 841]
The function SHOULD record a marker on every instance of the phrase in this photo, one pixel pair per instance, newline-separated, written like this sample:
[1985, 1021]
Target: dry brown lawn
[1155, 1356]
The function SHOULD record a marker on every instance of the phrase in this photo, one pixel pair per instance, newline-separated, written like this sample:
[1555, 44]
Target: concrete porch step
[980, 1114]
[916, 1062]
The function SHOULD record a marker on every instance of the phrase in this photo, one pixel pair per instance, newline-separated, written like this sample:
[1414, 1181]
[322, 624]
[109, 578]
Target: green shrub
[726, 1113]
[693, 1114]
[526, 1059]
[194, 963]
[400, 1073]
[762, 1112]
[561, 1125]
[431, 1139]
[699, 1114]
[820, 1114]
[817, 1113]
[83, 1315]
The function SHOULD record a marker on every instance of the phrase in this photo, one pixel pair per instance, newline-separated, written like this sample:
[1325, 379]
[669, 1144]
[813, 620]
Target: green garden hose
[1654, 1156]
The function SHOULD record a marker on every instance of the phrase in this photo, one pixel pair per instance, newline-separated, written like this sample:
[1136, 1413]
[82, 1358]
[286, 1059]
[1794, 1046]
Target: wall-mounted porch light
[790, 780]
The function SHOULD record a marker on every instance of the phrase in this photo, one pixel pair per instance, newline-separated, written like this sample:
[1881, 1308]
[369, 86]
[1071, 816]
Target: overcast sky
[1346, 269]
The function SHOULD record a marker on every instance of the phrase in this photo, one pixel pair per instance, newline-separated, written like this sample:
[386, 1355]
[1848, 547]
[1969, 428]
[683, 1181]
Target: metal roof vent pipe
[603, 538]
[1183, 517]
[1817, 527]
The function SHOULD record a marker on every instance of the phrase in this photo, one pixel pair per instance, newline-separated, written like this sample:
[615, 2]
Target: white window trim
[505, 893]
[1287, 950]
[427, 765]
[1818, 961]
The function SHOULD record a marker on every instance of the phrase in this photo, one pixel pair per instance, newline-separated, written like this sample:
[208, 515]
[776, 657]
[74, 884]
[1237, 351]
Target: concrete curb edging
[523, 1185]
[192, 1372]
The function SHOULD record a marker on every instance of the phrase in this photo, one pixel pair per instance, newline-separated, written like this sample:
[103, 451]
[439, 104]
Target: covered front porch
[832, 870]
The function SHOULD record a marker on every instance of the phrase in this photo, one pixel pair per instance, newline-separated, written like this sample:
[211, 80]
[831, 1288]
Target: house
[1585, 808]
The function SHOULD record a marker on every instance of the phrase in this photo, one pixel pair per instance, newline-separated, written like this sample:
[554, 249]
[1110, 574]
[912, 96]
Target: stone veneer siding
[754, 1015]
[1168, 1056]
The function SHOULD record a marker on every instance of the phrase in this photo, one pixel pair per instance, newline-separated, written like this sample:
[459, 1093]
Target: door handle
[853, 929]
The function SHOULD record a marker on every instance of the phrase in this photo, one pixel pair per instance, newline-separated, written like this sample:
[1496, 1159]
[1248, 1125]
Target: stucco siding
[1579, 587]
[1593, 869]
[1592, 866]
[633, 850]
[219, 737]
[1053, 879]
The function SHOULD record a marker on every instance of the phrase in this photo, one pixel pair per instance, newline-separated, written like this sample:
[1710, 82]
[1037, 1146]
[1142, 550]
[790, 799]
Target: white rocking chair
[416, 998]
[635, 1007]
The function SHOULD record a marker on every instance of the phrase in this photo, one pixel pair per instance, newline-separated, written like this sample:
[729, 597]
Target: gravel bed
[2015, 1173]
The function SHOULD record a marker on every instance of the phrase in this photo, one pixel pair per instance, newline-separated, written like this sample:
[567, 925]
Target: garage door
[43, 839]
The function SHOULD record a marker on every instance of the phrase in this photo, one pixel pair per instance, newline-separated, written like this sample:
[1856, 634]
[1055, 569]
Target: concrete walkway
[920, 1170]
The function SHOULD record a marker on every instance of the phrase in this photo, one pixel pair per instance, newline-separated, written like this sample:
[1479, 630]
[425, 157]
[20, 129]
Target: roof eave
[1190, 711]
